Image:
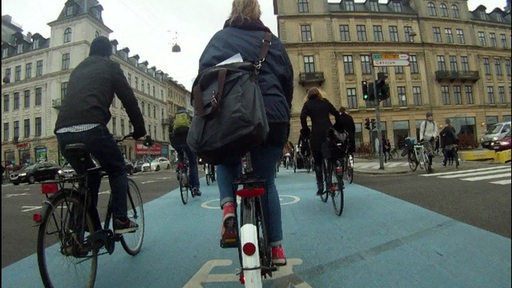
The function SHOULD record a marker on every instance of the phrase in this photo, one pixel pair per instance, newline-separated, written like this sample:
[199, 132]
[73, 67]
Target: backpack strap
[263, 51]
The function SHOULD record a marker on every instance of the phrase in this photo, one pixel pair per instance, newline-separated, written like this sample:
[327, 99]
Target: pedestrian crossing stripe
[455, 174]
[478, 174]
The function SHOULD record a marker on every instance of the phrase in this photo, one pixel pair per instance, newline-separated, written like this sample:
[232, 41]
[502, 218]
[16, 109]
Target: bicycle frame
[421, 155]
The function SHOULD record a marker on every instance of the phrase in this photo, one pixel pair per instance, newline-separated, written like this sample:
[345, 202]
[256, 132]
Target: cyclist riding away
[240, 33]
[83, 118]
[178, 130]
[428, 134]
[350, 127]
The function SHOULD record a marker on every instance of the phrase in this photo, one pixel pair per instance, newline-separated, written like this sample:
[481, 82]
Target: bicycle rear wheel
[337, 189]
[132, 242]
[184, 188]
[63, 259]
[348, 172]
[249, 235]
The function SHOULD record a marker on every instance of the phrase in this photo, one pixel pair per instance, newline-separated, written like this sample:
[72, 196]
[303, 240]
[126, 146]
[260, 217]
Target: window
[490, 95]
[457, 94]
[303, 6]
[349, 5]
[142, 85]
[455, 11]
[7, 77]
[65, 61]
[393, 33]
[469, 94]
[445, 95]
[28, 71]
[305, 33]
[63, 89]
[487, 66]
[431, 9]
[6, 132]
[482, 15]
[130, 79]
[154, 111]
[443, 9]
[366, 67]
[413, 62]
[460, 36]
[6, 103]
[38, 127]
[377, 33]
[348, 64]
[16, 101]
[123, 131]
[374, 6]
[149, 110]
[503, 41]
[453, 63]
[69, 10]
[361, 32]
[481, 38]
[407, 34]
[39, 68]
[38, 96]
[67, 35]
[114, 130]
[344, 33]
[507, 67]
[448, 34]
[137, 83]
[19, 48]
[397, 6]
[26, 101]
[16, 129]
[464, 63]
[351, 98]
[35, 44]
[497, 67]
[5, 52]
[492, 39]
[309, 64]
[149, 89]
[399, 69]
[436, 34]
[501, 94]
[17, 73]
[416, 95]
[26, 128]
[441, 65]
[143, 109]
[402, 99]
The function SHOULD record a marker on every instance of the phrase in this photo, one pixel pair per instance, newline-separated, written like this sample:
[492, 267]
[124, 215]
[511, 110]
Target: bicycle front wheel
[184, 188]
[413, 164]
[63, 259]
[348, 172]
[337, 189]
[132, 242]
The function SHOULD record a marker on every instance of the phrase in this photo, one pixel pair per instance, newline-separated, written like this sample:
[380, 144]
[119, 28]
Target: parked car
[137, 166]
[36, 172]
[67, 171]
[495, 132]
[146, 166]
[160, 163]
[503, 143]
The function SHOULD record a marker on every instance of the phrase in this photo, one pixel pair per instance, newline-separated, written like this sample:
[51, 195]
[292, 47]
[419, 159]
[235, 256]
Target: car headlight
[22, 174]
[504, 143]
[494, 138]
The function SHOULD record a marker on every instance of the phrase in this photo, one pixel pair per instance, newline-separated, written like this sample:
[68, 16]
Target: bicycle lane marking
[204, 275]
[291, 199]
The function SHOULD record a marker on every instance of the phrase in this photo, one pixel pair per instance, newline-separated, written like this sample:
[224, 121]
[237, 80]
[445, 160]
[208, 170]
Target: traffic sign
[391, 62]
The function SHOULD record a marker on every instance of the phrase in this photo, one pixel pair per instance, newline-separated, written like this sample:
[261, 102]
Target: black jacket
[90, 92]
[318, 110]
[448, 136]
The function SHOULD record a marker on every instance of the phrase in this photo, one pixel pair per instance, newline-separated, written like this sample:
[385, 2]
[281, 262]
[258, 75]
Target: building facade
[459, 62]
[35, 73]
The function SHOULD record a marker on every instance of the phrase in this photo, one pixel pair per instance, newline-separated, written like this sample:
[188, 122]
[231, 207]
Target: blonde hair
[315, 92]
[245, 10]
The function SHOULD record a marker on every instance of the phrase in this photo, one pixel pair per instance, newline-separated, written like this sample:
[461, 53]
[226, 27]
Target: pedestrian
[448, 139]
[318, 109]
[178, 131]
[242, 33]
[428, 134]
[386, 148]
[83, 118]
[350, 127]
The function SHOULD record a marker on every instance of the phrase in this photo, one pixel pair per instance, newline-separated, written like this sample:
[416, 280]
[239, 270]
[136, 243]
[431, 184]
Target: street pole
[377, 121]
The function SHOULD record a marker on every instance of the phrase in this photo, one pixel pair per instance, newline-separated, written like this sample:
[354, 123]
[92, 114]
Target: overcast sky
[148, 28]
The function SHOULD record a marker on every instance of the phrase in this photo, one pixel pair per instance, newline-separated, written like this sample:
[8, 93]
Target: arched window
[67, 35]
[431, 9]
[455, 11]
[444, 10]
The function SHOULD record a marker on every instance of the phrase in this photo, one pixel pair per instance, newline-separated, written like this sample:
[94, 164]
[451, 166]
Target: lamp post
[175, 47]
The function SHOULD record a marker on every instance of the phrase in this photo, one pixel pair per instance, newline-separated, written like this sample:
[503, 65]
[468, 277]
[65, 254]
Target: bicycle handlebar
[148, 141]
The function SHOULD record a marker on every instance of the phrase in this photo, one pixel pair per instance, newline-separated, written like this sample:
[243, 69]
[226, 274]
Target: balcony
[461, 76]
[56, 103]
[311, 78]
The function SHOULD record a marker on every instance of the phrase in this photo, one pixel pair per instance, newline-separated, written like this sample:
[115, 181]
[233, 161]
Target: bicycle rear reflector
[36, 217]
[48, 188]
[251, 192]
[249, 248]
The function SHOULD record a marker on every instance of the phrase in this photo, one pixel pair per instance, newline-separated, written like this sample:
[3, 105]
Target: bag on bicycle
[230, 117]
[335, 145]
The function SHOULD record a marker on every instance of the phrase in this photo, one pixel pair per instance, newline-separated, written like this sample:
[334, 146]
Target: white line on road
[487, 177]
[502, 182]
[30, 208]
[465, 171]
[473, 174]
[16, 195]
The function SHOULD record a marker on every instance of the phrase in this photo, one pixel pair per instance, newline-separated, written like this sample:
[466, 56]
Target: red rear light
[333, 188]
[249, 248]
[180, 165]
[251, 192]
[48, 188]
[36, 217]
[339, 170]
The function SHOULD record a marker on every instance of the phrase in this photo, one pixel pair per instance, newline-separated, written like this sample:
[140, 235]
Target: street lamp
[175, 47]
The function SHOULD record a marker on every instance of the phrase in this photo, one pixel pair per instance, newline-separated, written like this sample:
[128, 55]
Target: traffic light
[364, 84]
[382, 87]
[148, 141]
[367, 123]
[384, 92]
[373, 125]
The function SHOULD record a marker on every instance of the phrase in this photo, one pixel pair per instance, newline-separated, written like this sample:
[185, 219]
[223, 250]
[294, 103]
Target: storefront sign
[23, 145]
[140, 149]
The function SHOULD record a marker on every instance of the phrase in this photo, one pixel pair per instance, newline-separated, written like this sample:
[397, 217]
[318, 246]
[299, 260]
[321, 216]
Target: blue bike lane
[378, 241]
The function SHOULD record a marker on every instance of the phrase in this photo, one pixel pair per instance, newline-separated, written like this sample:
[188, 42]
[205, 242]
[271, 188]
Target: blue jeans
[263, 161]
[192, 163]
[101, 145]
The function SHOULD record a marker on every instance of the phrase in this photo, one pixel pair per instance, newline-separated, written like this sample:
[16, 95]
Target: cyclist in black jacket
[83, 117]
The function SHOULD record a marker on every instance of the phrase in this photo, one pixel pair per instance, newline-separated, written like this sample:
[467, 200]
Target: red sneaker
[228, 229]
[278, 258]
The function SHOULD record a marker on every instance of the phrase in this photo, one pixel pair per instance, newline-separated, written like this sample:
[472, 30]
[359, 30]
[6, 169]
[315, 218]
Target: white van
[495, 132]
